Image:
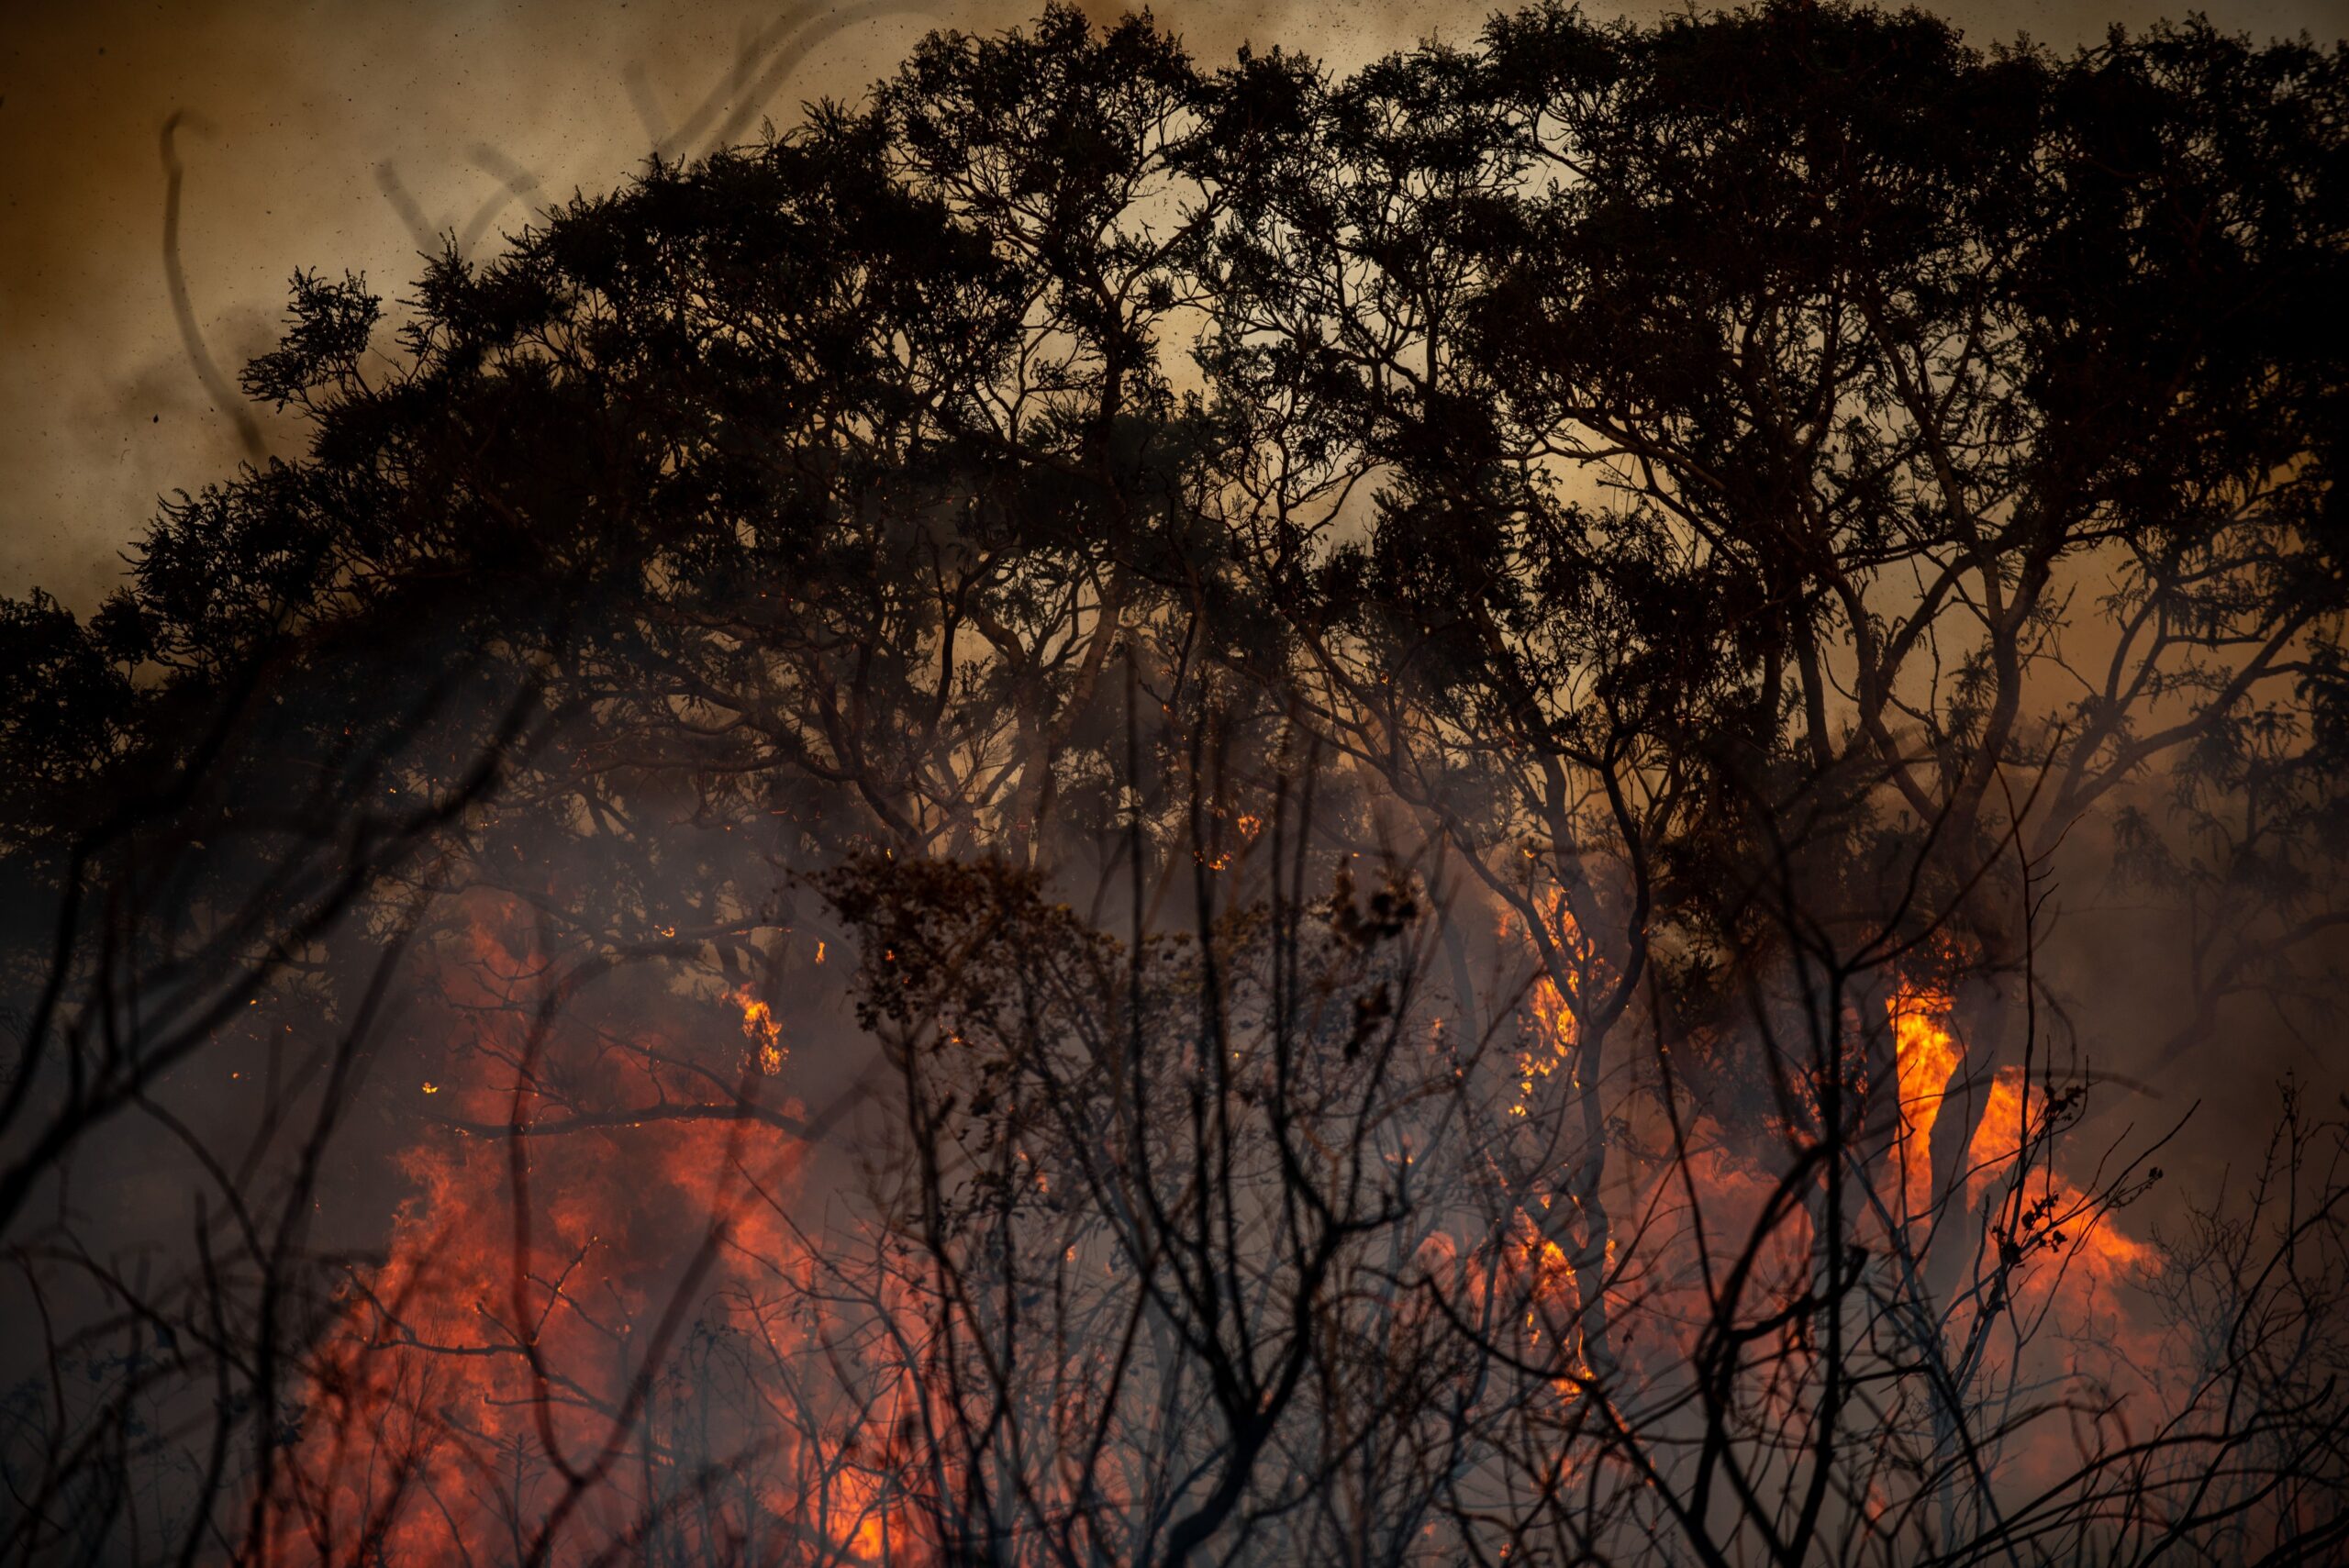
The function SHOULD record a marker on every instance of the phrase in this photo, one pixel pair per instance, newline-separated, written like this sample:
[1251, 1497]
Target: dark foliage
[1723, 513]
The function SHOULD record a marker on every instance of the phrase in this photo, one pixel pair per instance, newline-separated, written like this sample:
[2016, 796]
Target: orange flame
[1927, 1058]
[2013, 1116]
[480, 1358]
[759, 1027]
[1554, 1028]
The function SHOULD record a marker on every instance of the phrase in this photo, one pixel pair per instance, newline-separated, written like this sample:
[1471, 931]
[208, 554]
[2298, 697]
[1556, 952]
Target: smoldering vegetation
[1577, 802]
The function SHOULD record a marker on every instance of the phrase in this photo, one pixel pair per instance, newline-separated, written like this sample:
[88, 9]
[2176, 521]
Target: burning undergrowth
[1122, 811]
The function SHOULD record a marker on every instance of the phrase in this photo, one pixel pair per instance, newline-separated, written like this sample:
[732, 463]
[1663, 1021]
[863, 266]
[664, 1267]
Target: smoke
[591, 1075]
[348, 138]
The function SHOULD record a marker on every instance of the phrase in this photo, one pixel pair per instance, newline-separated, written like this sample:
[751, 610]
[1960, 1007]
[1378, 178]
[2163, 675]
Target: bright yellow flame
[760, 1029]
[1553, 1020]
[1927, 1058]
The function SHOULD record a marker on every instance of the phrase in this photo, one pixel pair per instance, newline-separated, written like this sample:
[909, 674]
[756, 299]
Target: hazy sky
[323, 133]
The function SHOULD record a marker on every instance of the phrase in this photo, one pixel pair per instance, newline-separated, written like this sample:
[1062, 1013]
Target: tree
[853, 911]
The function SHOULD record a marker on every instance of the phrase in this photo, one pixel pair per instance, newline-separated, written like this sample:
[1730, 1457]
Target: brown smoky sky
[345, 134]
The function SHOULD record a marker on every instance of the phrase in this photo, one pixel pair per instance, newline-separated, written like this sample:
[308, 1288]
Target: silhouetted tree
[1723, 515]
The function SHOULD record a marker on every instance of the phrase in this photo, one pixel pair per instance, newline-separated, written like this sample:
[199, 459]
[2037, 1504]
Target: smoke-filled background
[338, 136]
[650, 949]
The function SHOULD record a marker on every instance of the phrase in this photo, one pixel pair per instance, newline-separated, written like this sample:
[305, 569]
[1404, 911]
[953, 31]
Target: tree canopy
[1727, 504]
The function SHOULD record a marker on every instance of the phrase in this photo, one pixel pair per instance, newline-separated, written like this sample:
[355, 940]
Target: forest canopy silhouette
[1121, 808]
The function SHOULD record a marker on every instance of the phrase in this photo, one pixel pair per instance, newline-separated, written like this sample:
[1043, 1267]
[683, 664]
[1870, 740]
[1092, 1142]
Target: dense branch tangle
[1123, 810]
